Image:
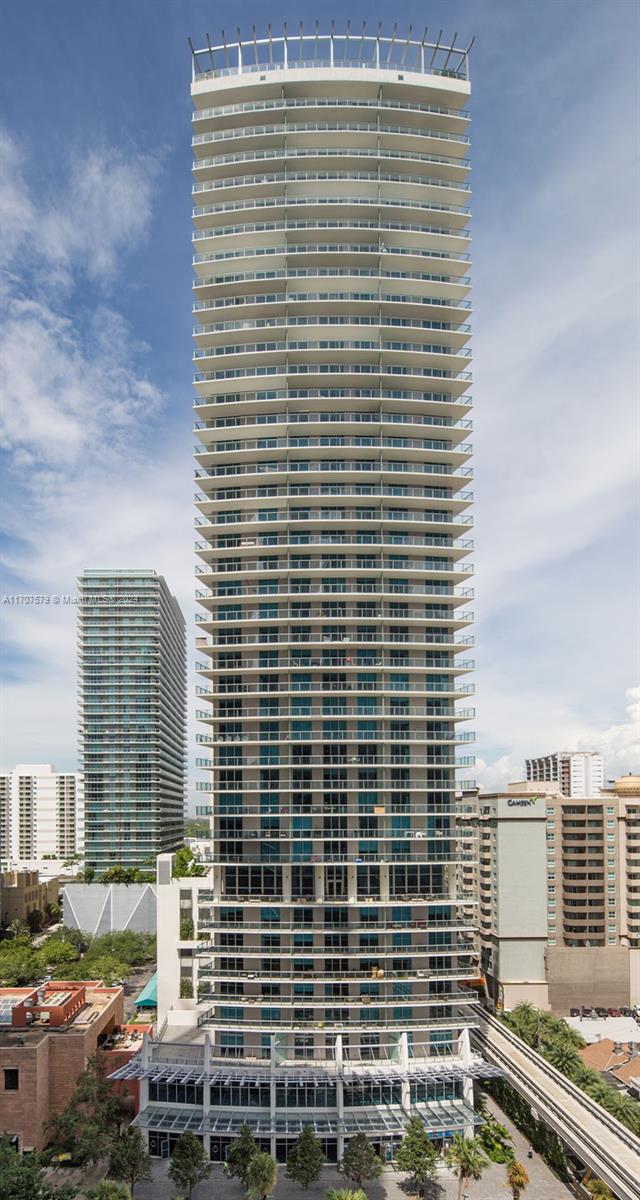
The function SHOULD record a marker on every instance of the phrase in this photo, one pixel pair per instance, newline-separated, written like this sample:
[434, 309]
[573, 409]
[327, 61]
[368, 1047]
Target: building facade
[132, 717]
[41, 814]
[558, 886]
[47, 1036]
[99, 908]
[23, 893]
[578, 773]
[329, 959]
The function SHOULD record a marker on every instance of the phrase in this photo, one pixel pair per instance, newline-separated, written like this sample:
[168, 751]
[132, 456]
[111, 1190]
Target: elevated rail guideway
[600, 1141]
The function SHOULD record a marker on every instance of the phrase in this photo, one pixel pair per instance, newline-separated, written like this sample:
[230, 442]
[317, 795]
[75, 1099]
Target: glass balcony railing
[379, 201]
[378, 177]
[224, 110]
[292, 127]
[343, 223]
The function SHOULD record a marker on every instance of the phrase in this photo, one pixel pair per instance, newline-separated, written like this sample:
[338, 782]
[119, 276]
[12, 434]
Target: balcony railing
[287, 102]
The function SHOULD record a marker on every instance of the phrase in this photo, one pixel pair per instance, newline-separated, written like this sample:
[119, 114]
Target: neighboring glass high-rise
[332, 461]
[132, 714]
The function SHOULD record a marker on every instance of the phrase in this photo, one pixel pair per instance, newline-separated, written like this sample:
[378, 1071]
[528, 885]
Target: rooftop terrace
[351, 50]
[29, 1013]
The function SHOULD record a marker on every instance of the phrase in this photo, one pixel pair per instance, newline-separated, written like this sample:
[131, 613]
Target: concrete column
[464, 1050]
[405, 1089]
[272, 1095]
[352, 884]
[318, 880]
[384, 881]
[145, 1060]
[286, 883]
[339, 1093]
[206, 1066]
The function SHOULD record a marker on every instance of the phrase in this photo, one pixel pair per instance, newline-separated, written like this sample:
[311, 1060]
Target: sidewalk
[493, 1185]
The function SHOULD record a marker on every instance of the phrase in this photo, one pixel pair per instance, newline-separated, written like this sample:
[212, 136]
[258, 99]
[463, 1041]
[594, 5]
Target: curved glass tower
[331, 294]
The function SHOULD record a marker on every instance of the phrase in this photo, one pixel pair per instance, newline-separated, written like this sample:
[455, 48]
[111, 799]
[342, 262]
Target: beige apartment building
[23, 893]
[558, 887]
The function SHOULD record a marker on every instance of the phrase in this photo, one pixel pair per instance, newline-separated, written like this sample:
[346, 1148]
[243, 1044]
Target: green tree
[34, 920]
[22, 1177]
[86, 1128]
[107, 969]
[517, 1178]
[467, 1159]
[360, 1161]
[56, 953]
[306, 1158]
[562, 1056]
[18, 928]
[495, 1140]
[184, 863]
[598, 1190]
[72, 860]
[189, 1164]
[261, 1176]
[118, 874]
[186, 989]
[129, 1158]
[186, 928]
[416, 1155]
[109, 1189]
[18, 963]
[240, 1153]
[345, 1194]
[88, 875]
[196, 827]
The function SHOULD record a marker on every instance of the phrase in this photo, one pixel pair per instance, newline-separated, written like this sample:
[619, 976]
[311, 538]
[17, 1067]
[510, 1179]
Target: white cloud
[557, 728]
[100, 209]
[110, 212]
[64, 385]
[16, 209]
[78, 410]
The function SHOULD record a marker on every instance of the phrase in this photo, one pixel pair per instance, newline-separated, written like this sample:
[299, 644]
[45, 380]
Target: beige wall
[21, 892]
[597, 975]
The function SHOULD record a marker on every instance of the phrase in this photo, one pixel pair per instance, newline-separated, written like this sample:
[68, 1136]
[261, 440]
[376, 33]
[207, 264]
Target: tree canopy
[416, 1154]
[129, 1157]
[261, 1176]
[306, 1158]
[189, 1164]
[240, 1153]
[559, 1044]
[466, 1157]
[86, 1128]
[22, 1177]
[360, 1161]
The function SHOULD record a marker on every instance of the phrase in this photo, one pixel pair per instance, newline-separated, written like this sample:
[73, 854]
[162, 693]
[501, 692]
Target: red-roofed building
[47, 1036]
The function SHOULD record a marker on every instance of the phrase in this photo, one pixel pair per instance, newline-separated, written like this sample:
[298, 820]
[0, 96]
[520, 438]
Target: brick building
[47, 1036]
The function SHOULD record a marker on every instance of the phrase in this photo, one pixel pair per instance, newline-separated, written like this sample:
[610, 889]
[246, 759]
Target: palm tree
[562, 1056]
[261, 1176]
[18, 928]
[517, 1179]
[346, 1194]
[467, 1159]
[629, 1113]
[525, 1021]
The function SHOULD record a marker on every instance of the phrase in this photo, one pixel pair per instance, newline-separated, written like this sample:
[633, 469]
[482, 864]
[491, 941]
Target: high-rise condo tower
[132, 717]
[332, 963]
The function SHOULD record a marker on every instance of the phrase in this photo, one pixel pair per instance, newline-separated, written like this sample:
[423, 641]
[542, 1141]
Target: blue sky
[95, 281]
